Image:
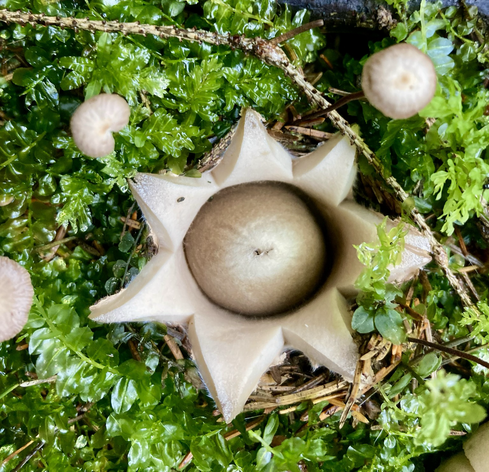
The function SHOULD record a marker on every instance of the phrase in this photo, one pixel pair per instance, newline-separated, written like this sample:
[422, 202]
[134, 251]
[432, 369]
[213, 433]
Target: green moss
[146, 415]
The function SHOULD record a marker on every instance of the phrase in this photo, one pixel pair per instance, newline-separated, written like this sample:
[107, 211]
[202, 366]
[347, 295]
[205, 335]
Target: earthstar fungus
[224, 226]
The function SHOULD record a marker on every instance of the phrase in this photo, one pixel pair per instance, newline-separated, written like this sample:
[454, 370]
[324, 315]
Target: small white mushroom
[399, 81]
[94, 121]
[16, 294]
[457, 463]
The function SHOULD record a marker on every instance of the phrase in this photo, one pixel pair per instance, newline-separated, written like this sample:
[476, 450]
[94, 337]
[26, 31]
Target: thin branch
[29, 456]
[272, 55]
[17, 452]
[449, 350]
[352, 396]
[310, 383]
[34, 20]
[214, 156]
[31, 383]
[474, 349]
[323, 390]
[300, 29]
[55, 243]
[313, 133]
[173, 346]
[338, 104]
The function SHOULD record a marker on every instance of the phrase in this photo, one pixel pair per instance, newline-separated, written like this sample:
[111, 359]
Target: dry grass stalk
[309, 123]
[173, 346]
[354, 391]
[131, 223]
[31, 383]
[17, 452]
[311, 383]
[313, 133]
[396, 353]
[290, 399]
[468, 269]
[410, 311]
[379, 376]
[353, 409]
[134, 350]
[60, 234]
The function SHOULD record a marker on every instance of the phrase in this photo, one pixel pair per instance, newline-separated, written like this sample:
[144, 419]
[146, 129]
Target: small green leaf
[363, 320]
[389, 324]
[123, 395]
[127, 242]
[270, 429]
[429, 363]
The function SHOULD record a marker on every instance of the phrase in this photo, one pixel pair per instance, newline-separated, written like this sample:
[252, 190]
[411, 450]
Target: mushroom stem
[342, 101]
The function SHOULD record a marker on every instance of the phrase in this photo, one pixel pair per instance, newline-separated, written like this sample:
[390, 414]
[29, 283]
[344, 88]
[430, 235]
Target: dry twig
[29, 456]
[214, 156]
[449, 350]
[313, 133]
[355, 388]
[300, 29]
[17, 452]
[323, 390]
[31, 383]
[173, 346]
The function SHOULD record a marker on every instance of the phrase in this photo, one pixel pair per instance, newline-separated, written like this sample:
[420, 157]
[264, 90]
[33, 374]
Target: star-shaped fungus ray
[321, 331]
[157, 295]
[234, 343]
[253, 155]
[328, 173]
[170, 203]
[232, 355]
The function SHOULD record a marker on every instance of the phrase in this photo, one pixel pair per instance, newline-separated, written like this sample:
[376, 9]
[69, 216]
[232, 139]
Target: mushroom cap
[399, 81]
[94, 121]
[257, 249]
[16, 294]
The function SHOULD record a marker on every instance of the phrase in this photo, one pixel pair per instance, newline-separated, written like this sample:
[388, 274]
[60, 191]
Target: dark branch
[342, 101]
[300, 29]
[449, 350]
[29, 456]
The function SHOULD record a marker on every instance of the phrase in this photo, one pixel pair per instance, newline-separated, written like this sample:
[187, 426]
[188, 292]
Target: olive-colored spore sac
[257, 249]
